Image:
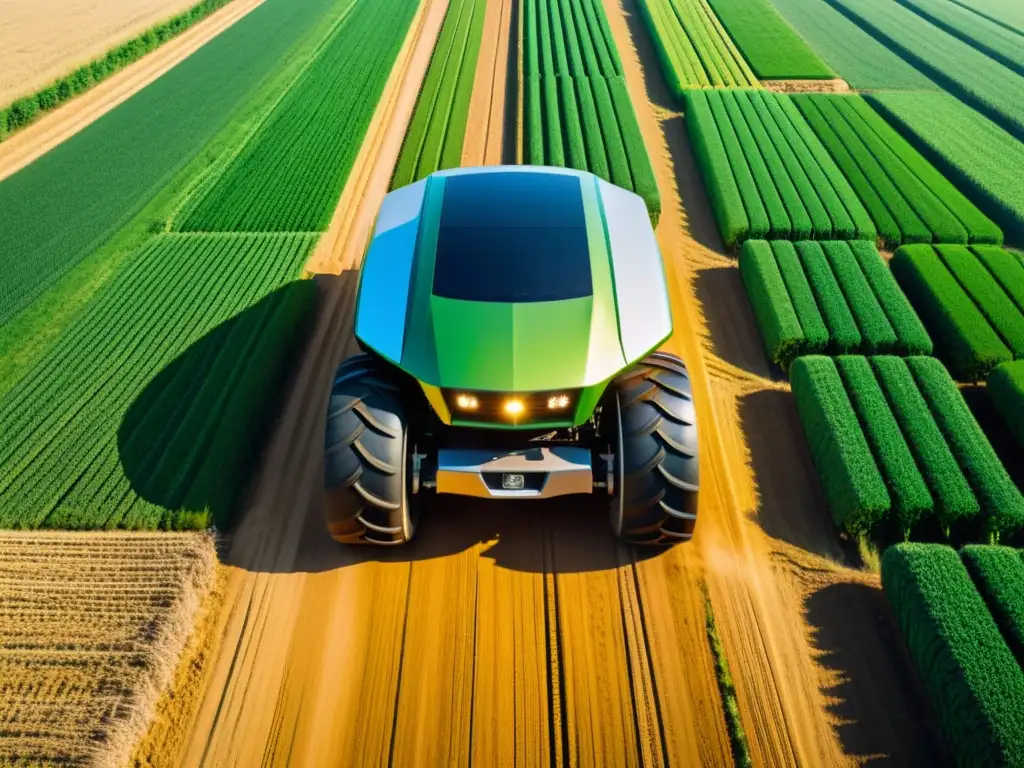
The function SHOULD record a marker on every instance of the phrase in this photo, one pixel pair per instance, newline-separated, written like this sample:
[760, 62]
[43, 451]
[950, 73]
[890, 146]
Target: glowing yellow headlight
[514, 407]
[466, 402]
[558, 402]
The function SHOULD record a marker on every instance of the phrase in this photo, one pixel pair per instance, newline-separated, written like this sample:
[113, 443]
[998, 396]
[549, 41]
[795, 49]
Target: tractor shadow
[881, 713]
[562, 535]
[189, 441]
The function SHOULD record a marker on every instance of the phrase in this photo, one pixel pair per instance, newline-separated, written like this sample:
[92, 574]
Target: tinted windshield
[512, 237]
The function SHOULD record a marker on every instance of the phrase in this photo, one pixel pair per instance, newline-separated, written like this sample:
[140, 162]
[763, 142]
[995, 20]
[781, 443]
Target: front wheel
[366, 456]
[656, 456]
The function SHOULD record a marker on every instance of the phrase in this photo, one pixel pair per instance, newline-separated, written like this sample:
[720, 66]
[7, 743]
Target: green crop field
[438, 126]
[146, 412]
[766, 173]
[1007, 13]
[969, 672]
[971, 301]
[973, 152]
[693, 48]
[577, 111]
[59, 209]
[851, 52]
[895, 445]
[907, 198]
[1004, 45]
[998, 573]
[959, 67]
[771, 47]
[834, 297]
[291, 173]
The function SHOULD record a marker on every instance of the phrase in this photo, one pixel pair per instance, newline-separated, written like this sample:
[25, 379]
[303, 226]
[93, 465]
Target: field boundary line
[345, 239]
[65, 121]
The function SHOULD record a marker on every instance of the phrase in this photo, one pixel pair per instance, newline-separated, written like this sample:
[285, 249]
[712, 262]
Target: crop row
[896, 447]
[1006, 14]
[693, 48]
[568, 38]
[1004, 45]
[959, 67]
[771, 47]
[973, 152]
[852, 53]
[963, 623]
[66, 203]
[971, 301]
[834, 297]
[581, 121]
[23, 111]
[766, 173]
[292, 171]
[438, 126]
[908, 200]
[1005, 387]
[146, 412]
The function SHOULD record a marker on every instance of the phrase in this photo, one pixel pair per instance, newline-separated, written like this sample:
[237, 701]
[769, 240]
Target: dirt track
[519, 634]
[60, 124]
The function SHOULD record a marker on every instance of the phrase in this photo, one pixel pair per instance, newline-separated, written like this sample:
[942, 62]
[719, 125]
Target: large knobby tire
[656, 459]
[366, 460]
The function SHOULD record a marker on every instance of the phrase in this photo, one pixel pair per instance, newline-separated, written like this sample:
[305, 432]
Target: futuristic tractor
[508, 318]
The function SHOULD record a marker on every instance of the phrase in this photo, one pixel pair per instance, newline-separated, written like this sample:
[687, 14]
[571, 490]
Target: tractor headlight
[514, 407]
[558, 402]
[466, 402]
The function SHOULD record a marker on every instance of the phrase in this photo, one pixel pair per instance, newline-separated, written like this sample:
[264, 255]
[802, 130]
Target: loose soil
[63, 122]
[486, 127]
[40, 42]
[836, 85]
[90, 628]
[523, 634]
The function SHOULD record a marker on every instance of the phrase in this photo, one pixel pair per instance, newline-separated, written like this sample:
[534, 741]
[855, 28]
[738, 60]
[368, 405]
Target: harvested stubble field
[90, 628]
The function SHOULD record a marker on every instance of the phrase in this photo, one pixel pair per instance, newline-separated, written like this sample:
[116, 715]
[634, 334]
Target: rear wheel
[656, 459]
[366, 456]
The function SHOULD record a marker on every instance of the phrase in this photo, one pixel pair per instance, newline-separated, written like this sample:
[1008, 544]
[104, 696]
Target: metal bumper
[534, 473]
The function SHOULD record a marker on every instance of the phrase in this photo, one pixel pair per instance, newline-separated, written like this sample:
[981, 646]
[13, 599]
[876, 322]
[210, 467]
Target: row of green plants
[1002, 44]
[771, 47]
[970, 299]
[907, 198]
[693, 48]
[981, 158]
[832, 297]
[766, 173]
[899, 452]
[56, 212]
[24, 110]
[962, 69]
[962, 617]
[146, 412]
[1005, 387]
[437, 129]
[577, 116]
[290, 175]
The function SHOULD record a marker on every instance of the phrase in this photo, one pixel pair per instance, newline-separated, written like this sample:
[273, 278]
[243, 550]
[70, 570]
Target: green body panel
[540, 346]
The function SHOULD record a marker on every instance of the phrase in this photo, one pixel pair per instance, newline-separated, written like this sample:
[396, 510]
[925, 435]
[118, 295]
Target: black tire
[366, 459]
[656, 472]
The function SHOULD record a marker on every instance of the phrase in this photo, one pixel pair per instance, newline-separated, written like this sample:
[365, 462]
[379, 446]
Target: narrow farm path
[488, 123]
[817, 682]
[66, 120]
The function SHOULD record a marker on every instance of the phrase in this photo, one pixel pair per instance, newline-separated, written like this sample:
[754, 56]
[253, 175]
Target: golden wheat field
[90, 628]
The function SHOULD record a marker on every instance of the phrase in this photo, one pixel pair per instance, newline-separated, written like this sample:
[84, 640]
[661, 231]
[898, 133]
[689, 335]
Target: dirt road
[522, 634]
[58, 125]
[487, 142]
